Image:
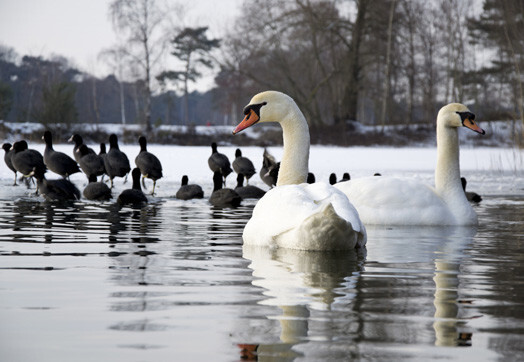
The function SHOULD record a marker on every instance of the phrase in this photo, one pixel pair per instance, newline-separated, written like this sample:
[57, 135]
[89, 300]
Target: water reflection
[299, 282]
[331, 296]
[176, 273]
[450, 325]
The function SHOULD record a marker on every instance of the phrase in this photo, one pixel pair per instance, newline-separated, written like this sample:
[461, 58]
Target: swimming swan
[295, 214]
[394, 201]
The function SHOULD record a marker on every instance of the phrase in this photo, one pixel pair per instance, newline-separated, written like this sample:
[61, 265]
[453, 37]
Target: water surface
[91, 281]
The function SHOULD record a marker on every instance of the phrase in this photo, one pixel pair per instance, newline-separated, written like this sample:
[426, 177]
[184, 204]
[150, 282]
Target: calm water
[171, 281]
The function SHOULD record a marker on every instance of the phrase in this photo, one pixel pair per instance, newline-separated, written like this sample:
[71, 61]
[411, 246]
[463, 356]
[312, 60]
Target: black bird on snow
[223, 197]
[91, 163]
[148, 163]
[102, 155]
[219, 162]
[243, 165]
[7, 158]
[189, 191]
[56, 161]
[133, 195]
[78, 140]
[248, 191]
[55, 190]
[268, 163]
[98, 191]
[27, 160]
[332, 179]
[345, 177]
[116, 162]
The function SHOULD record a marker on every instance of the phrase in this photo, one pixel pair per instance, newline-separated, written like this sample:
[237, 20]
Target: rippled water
[89, 281]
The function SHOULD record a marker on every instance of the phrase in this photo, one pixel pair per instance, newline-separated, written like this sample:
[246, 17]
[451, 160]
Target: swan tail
[323, 230]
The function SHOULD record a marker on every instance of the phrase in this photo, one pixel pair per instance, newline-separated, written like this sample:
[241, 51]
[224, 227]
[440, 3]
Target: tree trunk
[519, 98]
[95, 102]
[148, 91]
[122, 103]
[385, 96]
[354, 67]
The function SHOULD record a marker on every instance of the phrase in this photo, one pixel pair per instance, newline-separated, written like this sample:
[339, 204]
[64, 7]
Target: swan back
[307, 217]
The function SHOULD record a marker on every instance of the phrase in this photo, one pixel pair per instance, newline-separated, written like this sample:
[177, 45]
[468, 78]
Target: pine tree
[193, 48]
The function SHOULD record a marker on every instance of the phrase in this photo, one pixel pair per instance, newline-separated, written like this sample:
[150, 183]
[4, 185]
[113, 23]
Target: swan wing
[396, 201]
[307, 217]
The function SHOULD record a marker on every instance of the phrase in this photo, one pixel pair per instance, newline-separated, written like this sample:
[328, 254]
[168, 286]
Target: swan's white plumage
[396, 201]
[393, 201]
[294, 214]
[306, 217]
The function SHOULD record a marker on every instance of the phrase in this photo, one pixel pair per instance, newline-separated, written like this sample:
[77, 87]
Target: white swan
[393, 201]
[294, 214]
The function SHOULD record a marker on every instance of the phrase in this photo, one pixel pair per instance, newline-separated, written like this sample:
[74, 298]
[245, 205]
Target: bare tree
[141, 22]
[354, 60]
[514, 35]
[387, 80]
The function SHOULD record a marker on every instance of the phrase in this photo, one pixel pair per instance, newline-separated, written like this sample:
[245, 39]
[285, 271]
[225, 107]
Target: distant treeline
[50, 91]
[380, 62]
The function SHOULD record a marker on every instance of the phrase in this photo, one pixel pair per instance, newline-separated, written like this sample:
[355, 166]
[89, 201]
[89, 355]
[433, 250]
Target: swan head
[268, 106]
[456, 115]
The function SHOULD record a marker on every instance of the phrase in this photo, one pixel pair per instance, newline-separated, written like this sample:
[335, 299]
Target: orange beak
[250, 119]
[473, 126]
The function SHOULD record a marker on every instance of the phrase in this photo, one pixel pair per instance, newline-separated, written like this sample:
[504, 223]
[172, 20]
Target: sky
[80, 29]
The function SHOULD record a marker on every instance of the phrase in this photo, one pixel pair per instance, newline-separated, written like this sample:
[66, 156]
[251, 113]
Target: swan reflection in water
[299, 282]
[303, 284]
[450, 322]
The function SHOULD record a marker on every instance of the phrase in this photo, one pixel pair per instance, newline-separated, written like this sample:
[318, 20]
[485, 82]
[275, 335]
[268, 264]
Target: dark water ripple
[152, 283]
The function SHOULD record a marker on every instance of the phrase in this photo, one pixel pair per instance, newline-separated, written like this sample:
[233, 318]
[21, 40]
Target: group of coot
[32, 164]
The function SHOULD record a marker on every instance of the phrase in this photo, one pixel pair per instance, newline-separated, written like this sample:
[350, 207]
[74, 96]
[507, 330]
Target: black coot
[77, 139]
[243, 165]
[345, 177]
[116, 162]
[149, 164]
[98, 191]
[58, 162]
[134, 195]
[219, 162]
[27, 160]
[91, 163]
[223, 197]
[188, 192]
[7, 158]
[471, 196]
[56, 190]
[248, 191]
[268, 164]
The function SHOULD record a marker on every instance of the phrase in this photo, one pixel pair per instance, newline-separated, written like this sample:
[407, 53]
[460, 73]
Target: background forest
[377, 62]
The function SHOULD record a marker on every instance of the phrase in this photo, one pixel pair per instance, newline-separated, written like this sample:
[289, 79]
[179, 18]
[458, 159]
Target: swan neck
[295, 158]
[447, 172]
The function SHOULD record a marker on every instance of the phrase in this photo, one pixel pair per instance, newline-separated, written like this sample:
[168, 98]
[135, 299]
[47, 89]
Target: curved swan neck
[295, 158]
[447, 172]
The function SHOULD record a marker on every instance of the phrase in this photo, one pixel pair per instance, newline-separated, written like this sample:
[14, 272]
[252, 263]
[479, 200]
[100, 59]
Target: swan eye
[466, 116]
[254, 107]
